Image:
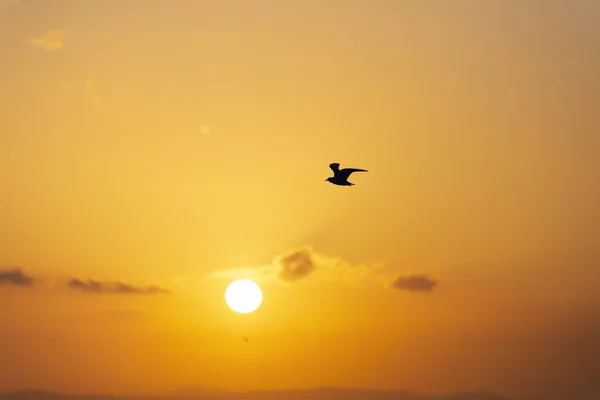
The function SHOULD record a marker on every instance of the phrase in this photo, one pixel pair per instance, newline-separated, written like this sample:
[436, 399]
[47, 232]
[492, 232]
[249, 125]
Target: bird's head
[329, 180]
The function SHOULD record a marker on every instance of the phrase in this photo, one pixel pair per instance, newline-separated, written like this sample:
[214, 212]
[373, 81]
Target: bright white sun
[243, 296]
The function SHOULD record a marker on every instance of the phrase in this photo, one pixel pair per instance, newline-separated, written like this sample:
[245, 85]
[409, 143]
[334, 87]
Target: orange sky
[185, 143]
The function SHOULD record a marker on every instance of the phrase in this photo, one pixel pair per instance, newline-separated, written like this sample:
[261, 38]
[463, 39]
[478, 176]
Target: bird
[340, 176]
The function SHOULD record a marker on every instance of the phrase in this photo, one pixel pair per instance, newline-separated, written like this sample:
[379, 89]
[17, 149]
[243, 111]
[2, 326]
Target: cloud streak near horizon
[15, 277]
[415, 283]
[113, 287]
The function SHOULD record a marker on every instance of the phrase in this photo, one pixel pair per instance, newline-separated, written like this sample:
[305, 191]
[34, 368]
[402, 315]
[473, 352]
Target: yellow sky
[185, 143]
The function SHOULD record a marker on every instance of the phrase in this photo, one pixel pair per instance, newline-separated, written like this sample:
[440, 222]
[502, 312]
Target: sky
[153, 151]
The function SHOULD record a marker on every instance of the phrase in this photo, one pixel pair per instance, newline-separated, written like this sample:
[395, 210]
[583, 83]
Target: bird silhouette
[340, 176]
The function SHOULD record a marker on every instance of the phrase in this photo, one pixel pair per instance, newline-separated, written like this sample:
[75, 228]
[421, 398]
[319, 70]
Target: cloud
[306, 264]
[50, 41]
[15, 277]
[110, 287]
[295, 265]
[415, 283]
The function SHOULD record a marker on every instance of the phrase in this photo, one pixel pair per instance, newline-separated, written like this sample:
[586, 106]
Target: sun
[243, 296]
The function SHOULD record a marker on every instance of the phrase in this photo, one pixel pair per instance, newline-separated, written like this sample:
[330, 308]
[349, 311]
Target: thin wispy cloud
[50, 41]
[415, 283]
[15, 277]
[112, 287]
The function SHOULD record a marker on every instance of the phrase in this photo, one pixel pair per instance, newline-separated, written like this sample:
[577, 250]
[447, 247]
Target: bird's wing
[335, 167]
[345, 173]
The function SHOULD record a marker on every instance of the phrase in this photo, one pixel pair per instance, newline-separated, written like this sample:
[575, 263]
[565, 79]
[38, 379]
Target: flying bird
[340, 176]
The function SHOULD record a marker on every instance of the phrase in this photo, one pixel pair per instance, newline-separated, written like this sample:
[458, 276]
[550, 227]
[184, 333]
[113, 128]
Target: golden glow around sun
[243, 296]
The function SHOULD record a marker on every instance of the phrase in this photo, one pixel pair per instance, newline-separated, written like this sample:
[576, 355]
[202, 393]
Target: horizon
[207, 392]
[154, 152]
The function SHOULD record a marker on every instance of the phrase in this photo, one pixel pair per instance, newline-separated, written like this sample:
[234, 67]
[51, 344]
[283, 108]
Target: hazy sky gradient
[181, 143]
